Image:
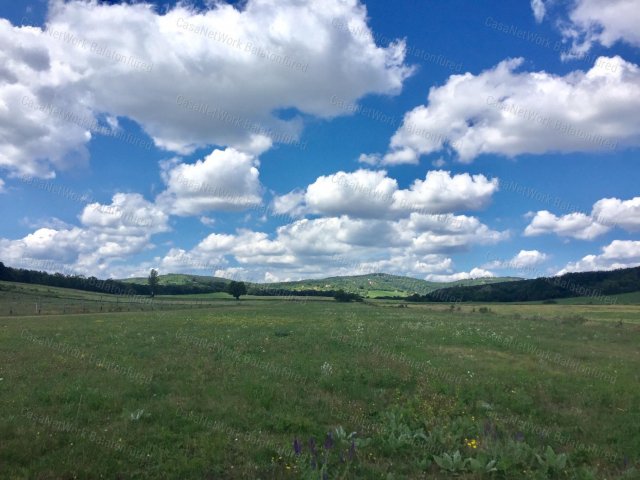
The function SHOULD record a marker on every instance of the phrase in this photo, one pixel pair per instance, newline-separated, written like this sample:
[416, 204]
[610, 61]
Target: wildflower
[352, 450]
[473, 443]
[328, 443]
[297, 447]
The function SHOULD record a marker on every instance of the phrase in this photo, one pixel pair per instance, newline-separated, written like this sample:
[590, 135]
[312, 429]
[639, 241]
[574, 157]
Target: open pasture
[224, 391]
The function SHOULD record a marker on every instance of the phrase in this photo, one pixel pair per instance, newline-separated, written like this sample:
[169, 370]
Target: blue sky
[272, 140]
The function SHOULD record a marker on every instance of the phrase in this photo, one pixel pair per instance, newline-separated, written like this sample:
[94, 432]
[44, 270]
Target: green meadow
[218, 388]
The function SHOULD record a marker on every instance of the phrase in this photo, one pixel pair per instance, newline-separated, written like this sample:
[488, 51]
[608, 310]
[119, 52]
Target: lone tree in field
[153, 281]
[236, 289]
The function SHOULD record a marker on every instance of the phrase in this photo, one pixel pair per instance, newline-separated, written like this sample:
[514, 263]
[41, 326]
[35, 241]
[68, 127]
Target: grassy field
[620, 299]
[28, 299]
[223, 391]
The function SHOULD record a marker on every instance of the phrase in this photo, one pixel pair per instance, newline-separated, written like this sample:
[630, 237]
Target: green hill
[370, 285]
[597, 287]
[378, 284]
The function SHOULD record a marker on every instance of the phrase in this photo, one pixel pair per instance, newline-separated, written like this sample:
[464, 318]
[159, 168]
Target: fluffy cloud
[343, 245]
[44, 126]
[539, 9]
[618, 254]
[366, 224]
[2, 190]
[523, 260]
[224, 180]
[109, 234]
[440, 192]
[291, 204]
[503, 111]
[304, 248]
[44, 243]
[574, 225]
[615, 212]
[417, 264]
[178, 259]
[605, 215]
[528, 258]
[454, 277]
[603, 22]
[189, 77]
[337, 235]
[129, 213]
[372, 194]
[446, 233]
[361, 194]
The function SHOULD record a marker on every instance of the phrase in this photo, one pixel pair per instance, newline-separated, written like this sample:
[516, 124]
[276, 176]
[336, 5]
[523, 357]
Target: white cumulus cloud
[224, 180]
[110, 234]
[507, 112]
[574, 225]
[190, 78]
[114, 232]
[621, 213]
[454, 277]
[606, 214]
[523, 260]
[373, 194]
[344, 246]
[603, 22]
[618, 254]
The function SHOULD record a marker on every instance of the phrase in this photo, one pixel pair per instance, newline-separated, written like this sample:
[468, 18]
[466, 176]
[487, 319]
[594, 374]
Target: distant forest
[93, 284]
[597, 285]
[115, 287]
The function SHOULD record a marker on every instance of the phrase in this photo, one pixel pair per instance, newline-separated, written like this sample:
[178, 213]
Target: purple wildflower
[352, 450]
[519, 437]
[328, 443]
[297, 447]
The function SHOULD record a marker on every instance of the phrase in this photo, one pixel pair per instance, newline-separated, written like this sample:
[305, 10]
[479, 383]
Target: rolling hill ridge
[369, 285]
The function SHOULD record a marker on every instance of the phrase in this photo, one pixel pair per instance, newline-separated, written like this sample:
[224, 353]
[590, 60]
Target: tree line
[118, 287]
[598, 286]
[110, 286]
